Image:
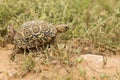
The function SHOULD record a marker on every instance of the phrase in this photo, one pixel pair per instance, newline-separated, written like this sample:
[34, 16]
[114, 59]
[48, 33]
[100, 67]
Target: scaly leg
[12, 56]
[55, 44]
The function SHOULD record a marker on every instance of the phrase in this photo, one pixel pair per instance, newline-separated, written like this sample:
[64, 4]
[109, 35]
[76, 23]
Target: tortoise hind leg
[13, 54]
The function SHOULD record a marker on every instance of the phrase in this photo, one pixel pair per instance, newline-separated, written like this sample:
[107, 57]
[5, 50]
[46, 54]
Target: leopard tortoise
[36, 33]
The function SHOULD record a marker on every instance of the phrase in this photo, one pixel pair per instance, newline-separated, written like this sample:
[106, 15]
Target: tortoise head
[62, 28]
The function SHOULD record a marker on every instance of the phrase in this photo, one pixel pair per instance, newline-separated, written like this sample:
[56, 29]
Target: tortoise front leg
[55, 44]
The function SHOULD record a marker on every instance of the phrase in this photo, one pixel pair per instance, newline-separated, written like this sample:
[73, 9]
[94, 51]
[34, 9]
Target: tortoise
[35, 34]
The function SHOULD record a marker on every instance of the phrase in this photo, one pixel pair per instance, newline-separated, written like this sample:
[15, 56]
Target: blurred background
[94, 20]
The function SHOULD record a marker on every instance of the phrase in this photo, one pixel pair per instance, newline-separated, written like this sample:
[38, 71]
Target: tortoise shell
[34, 33]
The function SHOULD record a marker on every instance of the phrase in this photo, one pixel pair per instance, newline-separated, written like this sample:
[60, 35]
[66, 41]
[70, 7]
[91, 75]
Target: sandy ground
[91, 65]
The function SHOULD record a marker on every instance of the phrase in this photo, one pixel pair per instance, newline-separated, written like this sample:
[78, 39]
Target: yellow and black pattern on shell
[34, 33]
